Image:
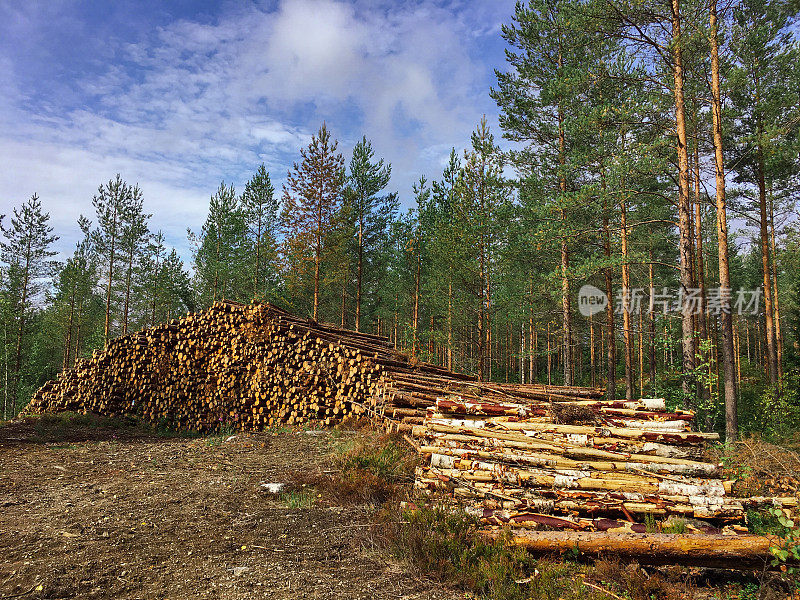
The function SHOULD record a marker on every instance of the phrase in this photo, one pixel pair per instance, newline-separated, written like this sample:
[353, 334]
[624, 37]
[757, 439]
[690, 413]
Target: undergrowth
[370, 468]
[446, 545]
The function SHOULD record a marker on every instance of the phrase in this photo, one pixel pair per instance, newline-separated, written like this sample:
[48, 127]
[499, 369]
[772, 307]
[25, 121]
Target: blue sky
[180, 95]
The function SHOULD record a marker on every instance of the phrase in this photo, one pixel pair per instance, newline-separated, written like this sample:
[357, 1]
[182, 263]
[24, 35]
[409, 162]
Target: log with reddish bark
[725, 551]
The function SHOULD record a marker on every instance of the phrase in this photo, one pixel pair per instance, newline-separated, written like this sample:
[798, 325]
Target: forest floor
[105, 510]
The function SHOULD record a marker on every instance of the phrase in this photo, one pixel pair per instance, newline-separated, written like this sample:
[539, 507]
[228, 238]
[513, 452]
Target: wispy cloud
[197, 100]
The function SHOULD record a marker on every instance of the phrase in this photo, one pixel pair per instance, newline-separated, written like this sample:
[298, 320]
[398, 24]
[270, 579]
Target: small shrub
[445, 545]
[762, 522]
[786, 552]
[372, 468]
[632, 581]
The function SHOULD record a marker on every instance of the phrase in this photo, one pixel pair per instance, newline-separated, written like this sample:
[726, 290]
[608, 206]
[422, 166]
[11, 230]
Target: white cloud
[193, 103]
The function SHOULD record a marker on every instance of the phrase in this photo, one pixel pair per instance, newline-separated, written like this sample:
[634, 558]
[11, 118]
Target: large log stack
[575, 462]
[248, 367]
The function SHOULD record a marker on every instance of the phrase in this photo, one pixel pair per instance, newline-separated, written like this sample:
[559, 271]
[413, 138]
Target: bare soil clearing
[118, 512]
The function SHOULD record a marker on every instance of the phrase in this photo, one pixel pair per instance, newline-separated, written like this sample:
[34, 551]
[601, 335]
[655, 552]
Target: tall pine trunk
[728, 356]
[652, 330]
[684, 205]
[772, 355]
[68, 336]
[626, 305]
[17, 373]
[450, 325]
[360, 272]
[611, 346]
[128, 280]
[778, 335]
[107, 328]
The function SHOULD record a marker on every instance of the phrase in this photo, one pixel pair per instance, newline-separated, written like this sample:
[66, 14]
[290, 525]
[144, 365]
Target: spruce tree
[261, 213]
[220, 250]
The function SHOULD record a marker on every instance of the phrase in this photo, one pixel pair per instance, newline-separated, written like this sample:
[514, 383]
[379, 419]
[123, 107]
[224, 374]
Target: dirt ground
[120, 512]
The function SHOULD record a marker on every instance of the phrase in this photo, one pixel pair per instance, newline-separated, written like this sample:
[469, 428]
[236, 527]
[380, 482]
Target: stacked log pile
[248, 367]
[574, 462]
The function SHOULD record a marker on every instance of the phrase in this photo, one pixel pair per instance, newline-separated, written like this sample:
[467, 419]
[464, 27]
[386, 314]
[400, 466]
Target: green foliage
[386, 457]
[261, 219]
[786, 552]
[299, 499]
[676, 526]
[220, 250]
[25, 251]
[369, 216]
[650, 524]
[311, 223]
[763, 522]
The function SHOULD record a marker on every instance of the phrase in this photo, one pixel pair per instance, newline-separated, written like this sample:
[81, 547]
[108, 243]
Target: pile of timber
[568, 460]
[248, 367]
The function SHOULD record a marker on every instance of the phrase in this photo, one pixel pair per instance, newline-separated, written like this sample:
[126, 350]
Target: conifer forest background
[645, 146]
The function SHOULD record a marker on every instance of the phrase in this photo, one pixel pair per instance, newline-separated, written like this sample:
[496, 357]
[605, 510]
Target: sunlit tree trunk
[684, 204]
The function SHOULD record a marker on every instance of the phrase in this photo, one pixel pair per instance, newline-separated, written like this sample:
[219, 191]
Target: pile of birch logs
[571, 461]
[248, 367]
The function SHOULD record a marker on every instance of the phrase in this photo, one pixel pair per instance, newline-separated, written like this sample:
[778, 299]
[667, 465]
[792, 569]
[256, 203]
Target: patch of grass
[299, 499]
[446, 546]
[371, 468]
[51, 423]
[164, 429]
[674, 526]
[218, 438]
[388, 457]
[281, 430]
[651, 526]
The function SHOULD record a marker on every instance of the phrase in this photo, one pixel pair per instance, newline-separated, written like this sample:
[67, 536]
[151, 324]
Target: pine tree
[110, 204]
[726, 321]
[312, 197]
[542, 99]
[178, 298]
[25, 252]
[445, 252]
[134, 234]
[371, 214]
[415, 248]
[480, 190]
[763, 96]
[261, 212]
[156, 253]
